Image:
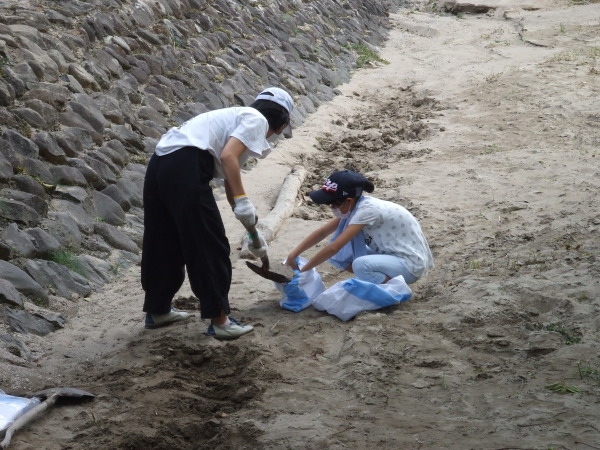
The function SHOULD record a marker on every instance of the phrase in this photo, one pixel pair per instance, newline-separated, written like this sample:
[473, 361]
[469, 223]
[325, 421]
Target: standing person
[375, 239]
[183, 229]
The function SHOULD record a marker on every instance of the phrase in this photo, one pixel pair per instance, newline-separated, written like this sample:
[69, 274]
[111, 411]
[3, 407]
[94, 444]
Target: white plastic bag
[299, 293]
[346, 299]
[11, 408]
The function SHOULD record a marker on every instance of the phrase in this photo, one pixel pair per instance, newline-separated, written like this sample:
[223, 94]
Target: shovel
[263, 270]
[50, 397]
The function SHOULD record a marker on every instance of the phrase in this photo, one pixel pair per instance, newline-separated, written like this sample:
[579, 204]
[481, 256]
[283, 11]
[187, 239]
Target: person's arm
[243, 208]
[310, 241]
[231, 168]
[331, 249]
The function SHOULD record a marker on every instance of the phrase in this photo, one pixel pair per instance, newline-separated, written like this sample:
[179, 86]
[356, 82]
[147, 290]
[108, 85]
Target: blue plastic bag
[346, 299]
[299, 293]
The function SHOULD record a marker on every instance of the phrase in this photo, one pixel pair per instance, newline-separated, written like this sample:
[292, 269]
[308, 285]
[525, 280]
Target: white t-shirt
[391, 229]
[210, 131]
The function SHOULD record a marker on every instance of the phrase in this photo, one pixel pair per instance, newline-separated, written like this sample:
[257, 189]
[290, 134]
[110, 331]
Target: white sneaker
[232, 331]
[162, 320]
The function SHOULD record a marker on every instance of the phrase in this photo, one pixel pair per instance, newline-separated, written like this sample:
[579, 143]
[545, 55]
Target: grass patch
[366, 56]
[562, 388]
[589, 371]
[67, 259]
[570, 335]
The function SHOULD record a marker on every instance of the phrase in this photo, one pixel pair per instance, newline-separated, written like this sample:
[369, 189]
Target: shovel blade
[268, 274]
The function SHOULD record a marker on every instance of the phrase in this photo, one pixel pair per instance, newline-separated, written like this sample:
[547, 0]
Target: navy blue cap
[339, 186]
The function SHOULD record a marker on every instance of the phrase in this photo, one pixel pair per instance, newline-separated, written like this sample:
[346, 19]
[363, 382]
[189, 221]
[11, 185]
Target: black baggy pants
[183, 230]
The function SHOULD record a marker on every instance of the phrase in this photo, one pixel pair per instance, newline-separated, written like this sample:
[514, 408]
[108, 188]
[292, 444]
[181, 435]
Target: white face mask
[273, 138]
[339, 214]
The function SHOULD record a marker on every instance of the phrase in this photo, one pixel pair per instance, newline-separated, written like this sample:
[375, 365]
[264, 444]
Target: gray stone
[62, 280]
[27, 32]
[9, 295]
[95, 244]
[49, 148]
[104, 156]
[23, 282]
[84, 221]
[24, 322]
[76, 194]
[83, 77]
[104, 172]
[114, 192]
[117, 152]
[49, 114]
[64, 228]
[97, 271]
[97, 71]
[72, 119]
[149, 129]
[109, 62]
[15, 346]
[30, 185]
[126, 136]
[6, 251]
[114, 110]
[69, 176]
[25, 73]
[37, 203]
[20, 144]
[32, 118]
[108, 210]
[18, 212]
[89, 113]
[92, 177]
[145, 112]
[131, 186]
[35, 168]
[14, 80]
[7, 94]
[46, 244]
[115, 237]
[21, 243]
[157, 104]
[70, 146]
[54, 95]
[6, 169]
[56, 320]
[72, 84]
[83, 137]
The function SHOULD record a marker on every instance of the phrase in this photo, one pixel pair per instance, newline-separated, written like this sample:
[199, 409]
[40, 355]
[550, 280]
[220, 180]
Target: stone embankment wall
[88, 87]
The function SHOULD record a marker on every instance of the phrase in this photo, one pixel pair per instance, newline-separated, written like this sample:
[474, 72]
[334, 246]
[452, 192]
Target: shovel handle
[28, 417]
[253, 235]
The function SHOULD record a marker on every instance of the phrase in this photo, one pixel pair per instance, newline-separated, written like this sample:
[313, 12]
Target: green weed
[562, 388]
[570, 335]
[67, 259]
[366, 55]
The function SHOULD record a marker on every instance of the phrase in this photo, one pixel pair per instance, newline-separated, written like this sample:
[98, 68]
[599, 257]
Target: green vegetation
[562, 388]
[366, 55]
[67, 259]
[571, 336]
[590, 371]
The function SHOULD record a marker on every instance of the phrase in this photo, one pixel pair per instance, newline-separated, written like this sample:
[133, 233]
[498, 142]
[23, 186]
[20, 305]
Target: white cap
[278, 96]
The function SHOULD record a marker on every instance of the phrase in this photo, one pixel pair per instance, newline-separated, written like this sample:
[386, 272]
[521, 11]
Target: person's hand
[291, 261]
[245, 211]
[260, 251]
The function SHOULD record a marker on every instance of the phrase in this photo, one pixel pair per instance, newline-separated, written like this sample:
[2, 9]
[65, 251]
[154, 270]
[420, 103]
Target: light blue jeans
[375, 268]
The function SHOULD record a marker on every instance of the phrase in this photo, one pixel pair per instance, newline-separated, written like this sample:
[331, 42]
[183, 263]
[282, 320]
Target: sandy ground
[487, 128]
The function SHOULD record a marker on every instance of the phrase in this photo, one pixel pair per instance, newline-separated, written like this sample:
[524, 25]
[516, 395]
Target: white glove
[262, 250]
[245, 211]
